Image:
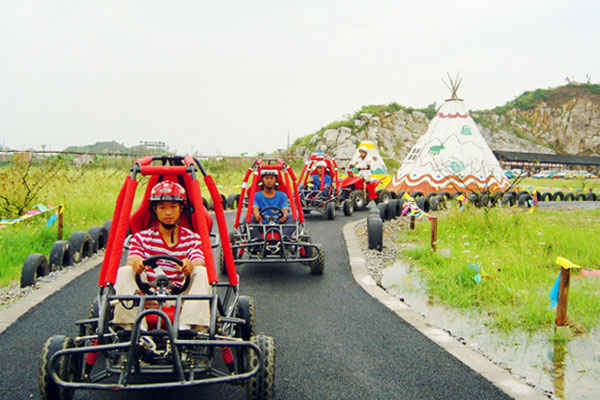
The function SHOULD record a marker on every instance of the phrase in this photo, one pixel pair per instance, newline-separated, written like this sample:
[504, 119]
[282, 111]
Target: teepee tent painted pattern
[378, 168]
[451, 156]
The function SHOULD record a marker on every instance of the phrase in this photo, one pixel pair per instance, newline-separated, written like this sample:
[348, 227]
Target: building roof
[546, 158]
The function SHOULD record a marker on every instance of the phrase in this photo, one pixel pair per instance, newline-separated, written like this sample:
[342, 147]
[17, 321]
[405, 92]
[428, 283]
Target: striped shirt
[150, 242]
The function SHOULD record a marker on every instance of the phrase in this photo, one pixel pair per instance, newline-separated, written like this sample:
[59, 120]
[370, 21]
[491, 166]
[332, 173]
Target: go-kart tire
[261, 385]
[395, 208]
[99, 236]
[569, 197]
[358, 197]
[35, 266]
[375, 233]
[80, 246]
[65, 368]
[233, 200]
[591, 197]
[246, 311]
[348, 207]
[383, 196]
[558, 196]
[580, 197]
[60, 256]
[317, 266]
[423, 203]
[330, 210]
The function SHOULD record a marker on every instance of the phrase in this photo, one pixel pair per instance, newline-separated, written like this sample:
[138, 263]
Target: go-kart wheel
[162, 281]
[261, 385]
[348, 207]
[317, 266]
[358, 197]
[64, 367]
[245, 310]
[330, 210]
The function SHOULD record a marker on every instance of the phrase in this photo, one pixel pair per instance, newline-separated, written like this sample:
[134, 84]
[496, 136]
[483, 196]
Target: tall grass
[518, 251]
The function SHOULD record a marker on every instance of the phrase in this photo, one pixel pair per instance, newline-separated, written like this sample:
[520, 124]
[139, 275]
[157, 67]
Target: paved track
[333, 340]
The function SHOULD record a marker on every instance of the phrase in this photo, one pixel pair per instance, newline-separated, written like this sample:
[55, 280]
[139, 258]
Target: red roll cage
[330, 168]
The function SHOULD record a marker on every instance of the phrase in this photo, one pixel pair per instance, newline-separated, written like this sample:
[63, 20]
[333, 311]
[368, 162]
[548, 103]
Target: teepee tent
[378, 168]
[450, 156]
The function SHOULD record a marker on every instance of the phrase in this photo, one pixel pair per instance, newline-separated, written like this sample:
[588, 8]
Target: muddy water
[568, 370]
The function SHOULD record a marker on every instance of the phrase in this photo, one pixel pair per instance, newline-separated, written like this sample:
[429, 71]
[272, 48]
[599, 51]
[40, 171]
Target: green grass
[518, 251]
[578, 184]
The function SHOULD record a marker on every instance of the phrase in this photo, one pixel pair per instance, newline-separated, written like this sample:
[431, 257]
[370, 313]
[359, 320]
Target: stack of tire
[388, 207]
[80, 246]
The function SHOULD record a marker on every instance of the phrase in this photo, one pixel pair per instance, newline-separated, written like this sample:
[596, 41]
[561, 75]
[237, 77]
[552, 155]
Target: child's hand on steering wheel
[187, 267]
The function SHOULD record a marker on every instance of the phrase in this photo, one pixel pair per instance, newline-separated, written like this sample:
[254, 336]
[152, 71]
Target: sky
[242, 76]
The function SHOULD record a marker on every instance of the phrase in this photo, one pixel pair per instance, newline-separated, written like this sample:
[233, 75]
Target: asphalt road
[333, 340]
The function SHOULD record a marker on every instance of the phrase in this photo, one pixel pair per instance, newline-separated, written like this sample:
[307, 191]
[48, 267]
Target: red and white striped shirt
[150, 242]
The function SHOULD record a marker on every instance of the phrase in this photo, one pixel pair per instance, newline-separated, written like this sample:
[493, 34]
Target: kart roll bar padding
[251, 193]
[201, 226]
[296, 194]
[241, 200]
[111, 235]
[113, 259]
[302, 176]
[164, 170]
[290, 196]
[220, 216]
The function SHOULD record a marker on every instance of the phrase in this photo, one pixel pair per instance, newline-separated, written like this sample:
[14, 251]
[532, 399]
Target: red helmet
[167, 191]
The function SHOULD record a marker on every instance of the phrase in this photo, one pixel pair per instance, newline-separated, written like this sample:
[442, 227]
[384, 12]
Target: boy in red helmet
[167, 201]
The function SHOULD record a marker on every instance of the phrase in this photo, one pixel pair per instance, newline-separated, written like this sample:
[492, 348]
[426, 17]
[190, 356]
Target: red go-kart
[322, 199]
[107, 357]
[354, 187]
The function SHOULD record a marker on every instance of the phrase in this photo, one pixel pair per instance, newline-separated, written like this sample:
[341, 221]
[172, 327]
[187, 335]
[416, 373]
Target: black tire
[35, 266]
[522, 192]
[261, 386]
[580, 197]
[223, 201]
[416, 195]
[317, 266]
[348, 207]
[60, 256]
[358, 197]
[383, 196]
[485, 200]
[99, 236]
[447, 195]
[456, 194]
[107, 224]
[65, 368]
[383, 211]
[395, 208]
[393, 194]
[205, 203]
[330, 210]
[508, 199]
[524, 200]
[438, 203]
[430, 195]
[375, 233]
[547, 196]
[558, 196]
[591, 197]
[569, 197]
[473, 198]
[233, 200]
[246, 311]
[494, 197]
[80, 246]
[423, 204]
[400, 194]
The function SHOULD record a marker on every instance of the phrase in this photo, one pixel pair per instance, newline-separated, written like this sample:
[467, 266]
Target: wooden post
[59, 235]
[433, 233]
[412, 222]
[563, 297]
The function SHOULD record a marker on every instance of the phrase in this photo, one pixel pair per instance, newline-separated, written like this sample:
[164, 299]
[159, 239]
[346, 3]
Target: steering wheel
[272, 218]
[162, 283]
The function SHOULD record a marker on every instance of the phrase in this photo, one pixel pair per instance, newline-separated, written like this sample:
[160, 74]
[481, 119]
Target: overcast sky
[238, 76]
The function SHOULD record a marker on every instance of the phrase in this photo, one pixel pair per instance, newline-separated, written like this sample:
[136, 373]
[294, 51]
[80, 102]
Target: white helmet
[321, 164]
[264, 172]
[363, 148]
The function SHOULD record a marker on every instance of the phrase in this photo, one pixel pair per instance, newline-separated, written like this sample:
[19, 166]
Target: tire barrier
[508, 199]
[80, 246]
[60, 256]
[524, 200]
[438, 203]
[423, 204]
[223, 201]
[99, 236]
[394, 195]
[485, 200]
[473, 198]
[430, 195]
[446, 195]
[383, 196]
[400, 194]
[416, 195]
[35, 266]
[375, 232]
[580, 197]
[546, 196]
[395, 208]
[558, 196]
[233, 200]
[384, 211]
[591, 197]
[569, 197]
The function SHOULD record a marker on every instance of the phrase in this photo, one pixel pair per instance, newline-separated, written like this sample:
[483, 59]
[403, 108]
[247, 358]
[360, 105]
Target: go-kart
[324, 200]
[273, 241]
[354, 187]
[157, 352]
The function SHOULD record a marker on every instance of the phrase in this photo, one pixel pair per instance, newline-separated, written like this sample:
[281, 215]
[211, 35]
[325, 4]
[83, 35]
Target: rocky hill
[564, 120]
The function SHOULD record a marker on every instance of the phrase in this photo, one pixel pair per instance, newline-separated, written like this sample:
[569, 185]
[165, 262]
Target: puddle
[569, 370]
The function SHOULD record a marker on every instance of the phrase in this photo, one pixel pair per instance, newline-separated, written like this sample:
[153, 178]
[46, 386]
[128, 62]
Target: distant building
[81, 160]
